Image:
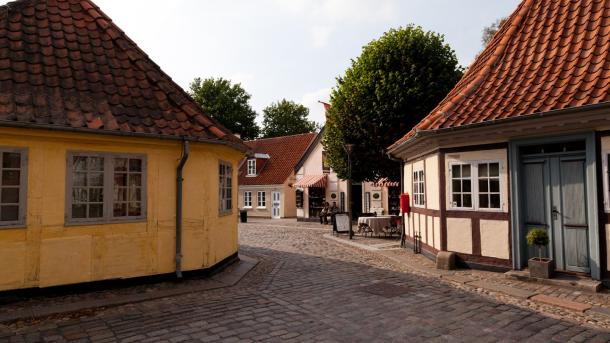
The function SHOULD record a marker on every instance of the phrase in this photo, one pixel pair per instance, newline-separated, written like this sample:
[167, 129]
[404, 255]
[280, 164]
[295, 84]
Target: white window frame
[421, 181]
[247, 199]
[606, 181]
[225, 187]
[108, 188]
[23, 185]
[474, 185]
[251, 167]
[259, 198]
[478, 191]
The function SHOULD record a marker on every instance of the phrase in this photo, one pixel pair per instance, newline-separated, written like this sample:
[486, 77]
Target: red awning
[309, 181]
[385, 182]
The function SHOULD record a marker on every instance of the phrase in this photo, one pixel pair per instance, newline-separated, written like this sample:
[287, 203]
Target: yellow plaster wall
[494, 238]
[47, 252]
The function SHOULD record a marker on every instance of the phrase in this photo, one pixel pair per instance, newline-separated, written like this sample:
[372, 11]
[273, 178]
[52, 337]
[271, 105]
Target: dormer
[255, 164]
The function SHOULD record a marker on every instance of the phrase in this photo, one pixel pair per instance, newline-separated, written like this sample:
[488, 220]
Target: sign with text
[341, 224]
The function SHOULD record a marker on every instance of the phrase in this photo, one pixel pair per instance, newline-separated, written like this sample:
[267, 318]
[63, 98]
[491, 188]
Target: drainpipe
[179, 179]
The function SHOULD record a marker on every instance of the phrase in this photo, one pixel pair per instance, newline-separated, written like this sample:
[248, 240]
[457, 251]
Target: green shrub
[538, 237]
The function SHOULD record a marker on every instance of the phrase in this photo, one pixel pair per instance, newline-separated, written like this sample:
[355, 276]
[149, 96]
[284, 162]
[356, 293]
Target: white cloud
[316, 109]
[320, 35]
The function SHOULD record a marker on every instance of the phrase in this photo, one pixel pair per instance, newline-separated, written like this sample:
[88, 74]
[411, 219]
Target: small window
[299, 198]
[225, 187]
[419, 188]
[247, 199]
[489, 185]
[342, 202]
[461, 186]
[252, 167]
[105, 187]
[261, 201]
[13, 187]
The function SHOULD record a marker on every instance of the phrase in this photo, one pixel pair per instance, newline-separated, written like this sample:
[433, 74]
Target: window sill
[251, 175]
[261, 208]
[106, 222]
[225, 213]
[247, 207]
[13, 226]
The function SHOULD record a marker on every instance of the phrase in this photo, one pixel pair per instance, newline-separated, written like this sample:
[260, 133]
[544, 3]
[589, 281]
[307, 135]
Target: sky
[291, 49]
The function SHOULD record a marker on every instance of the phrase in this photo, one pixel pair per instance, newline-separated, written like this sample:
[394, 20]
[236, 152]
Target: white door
[275, 204]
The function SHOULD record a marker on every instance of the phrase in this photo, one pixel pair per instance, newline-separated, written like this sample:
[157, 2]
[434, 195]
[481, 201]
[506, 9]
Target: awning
[385, 182]
[309, 181]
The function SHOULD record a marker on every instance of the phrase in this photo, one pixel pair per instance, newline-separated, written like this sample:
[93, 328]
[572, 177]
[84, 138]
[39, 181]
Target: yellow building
[93, 140]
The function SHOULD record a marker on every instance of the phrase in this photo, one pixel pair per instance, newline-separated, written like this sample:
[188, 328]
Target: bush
[538, 237]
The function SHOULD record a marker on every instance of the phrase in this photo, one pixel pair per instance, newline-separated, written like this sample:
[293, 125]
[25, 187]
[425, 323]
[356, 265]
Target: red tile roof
[549, 55]
[284, 153]
[64, 64]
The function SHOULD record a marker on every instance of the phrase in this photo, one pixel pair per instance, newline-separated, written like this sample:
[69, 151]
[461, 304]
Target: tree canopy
[227, 103]
[397, 80]
[285, 118]
[490, 31]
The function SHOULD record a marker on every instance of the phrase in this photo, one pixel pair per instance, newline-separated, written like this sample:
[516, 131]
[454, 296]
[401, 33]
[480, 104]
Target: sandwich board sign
[342, 223]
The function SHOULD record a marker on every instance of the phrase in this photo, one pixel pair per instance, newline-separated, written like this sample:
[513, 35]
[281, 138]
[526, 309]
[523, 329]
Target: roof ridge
[278, 137]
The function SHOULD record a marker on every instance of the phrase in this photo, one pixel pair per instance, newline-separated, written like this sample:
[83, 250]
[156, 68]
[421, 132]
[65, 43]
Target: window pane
[10, 195]
[9, 213]
[494, 201]
[494, 169]
[135, 165]
[135, 194]
[10, 177]
[457, 185]
[95, 163]
[135, 180]
[455, 171]
[466, 186]
[79, 179]
[415, 177]
[466, 170]
[483, 201]
[79, 195]
[457, 200]
[483, 169]
[135, 209]
[120, 164]
[11, 160]
[120, 179]
[467, 200]
[95, 179]
[79, 163]
[79, 211]
[119, 210]
[96, 195]
[120, 194]
[483, 186]
[494, 185]
[96, 211]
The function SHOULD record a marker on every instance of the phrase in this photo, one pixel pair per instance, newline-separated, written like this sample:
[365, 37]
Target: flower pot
[542, 268]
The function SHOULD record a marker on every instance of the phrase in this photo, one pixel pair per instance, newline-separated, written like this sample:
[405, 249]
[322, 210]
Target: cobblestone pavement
[310, 289]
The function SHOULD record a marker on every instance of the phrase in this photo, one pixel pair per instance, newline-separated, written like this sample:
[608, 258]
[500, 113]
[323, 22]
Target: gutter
[179, 179]
[563, 111]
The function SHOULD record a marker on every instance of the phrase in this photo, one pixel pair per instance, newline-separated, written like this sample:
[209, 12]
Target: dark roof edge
[15, 124]
[310, 148]
[568, 110]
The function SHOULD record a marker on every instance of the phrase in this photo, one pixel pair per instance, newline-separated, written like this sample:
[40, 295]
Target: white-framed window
[419, 188]
[489, 185]
[476, 185]
[13, 183]
[225, 187]
[105, 187]
[252, 167]
[248, 199]
[261, 200]
[606, 180]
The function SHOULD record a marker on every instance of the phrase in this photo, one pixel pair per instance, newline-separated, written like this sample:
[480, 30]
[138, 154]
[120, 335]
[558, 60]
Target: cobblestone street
[308, 289]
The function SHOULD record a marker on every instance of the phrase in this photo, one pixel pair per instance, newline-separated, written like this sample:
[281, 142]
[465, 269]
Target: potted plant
[540, 267]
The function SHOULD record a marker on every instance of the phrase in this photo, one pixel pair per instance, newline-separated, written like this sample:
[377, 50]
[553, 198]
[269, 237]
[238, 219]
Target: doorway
[275, 205]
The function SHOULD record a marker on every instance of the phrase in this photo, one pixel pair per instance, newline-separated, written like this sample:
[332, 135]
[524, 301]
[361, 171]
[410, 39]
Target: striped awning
[385, 182]
[309, 181]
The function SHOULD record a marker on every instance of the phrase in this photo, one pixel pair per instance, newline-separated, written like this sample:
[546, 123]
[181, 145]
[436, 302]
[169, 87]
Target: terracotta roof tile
[85, 73]
[284, 152]
[549, 55]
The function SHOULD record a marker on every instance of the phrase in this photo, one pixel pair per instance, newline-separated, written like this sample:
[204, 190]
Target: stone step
[561, 302]
[563, 280]
[506, 289]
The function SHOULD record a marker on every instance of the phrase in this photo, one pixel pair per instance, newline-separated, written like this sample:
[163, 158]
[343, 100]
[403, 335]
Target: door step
[562, 280]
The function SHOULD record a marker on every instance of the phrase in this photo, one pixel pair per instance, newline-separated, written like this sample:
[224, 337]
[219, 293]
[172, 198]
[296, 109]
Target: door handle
[555, 212]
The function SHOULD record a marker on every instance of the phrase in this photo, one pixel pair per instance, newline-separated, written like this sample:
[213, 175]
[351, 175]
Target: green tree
[228, 103]
[397, 80]
[285, 118]
[490, 31]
